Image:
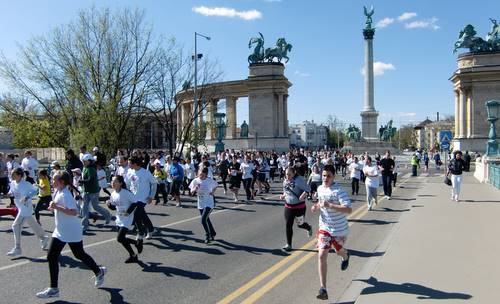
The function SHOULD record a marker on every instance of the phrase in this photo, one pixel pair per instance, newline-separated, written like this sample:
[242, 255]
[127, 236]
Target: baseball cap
[87, 157]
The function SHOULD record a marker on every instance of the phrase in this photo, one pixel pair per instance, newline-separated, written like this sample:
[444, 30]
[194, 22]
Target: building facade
[308, 135]
[426, 134]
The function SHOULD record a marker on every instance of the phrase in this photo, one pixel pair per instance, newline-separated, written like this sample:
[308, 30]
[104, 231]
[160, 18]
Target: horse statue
[467, 39]
[369, 14]
[493, 37]
[279, 52]
[258, 51]
[353, 133]
[387, 132]
[186, 85]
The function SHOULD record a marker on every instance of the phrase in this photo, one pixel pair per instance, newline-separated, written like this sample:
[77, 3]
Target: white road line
[407, 175]
[114, 239]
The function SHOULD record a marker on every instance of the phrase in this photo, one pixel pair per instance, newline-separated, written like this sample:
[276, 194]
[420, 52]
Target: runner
[333, 204]
[235, 177]
[68, 230]
[189, 175]
[30, 166]
[455, 168]
[386, 167]
[223, 167]
[123, 201]
[246, 168]
[44, 194]
[204, 188]
[295, 191]
[371, 182]
[23, 191]
[161, 178]
[355, 168]
[176, 172]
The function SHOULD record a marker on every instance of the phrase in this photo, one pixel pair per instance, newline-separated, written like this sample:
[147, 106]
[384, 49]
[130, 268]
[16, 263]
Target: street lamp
[220, 125]
[493, 110]
[196, 57]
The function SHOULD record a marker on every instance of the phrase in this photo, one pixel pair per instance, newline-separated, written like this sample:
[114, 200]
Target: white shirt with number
[68, 228]
[23, 192]
[330, 220]
[203, 188]
[122, 200]
[246, 169]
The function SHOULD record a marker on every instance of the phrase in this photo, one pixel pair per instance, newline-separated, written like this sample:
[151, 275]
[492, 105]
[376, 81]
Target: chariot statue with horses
[273, 54]
[387, 132]
[353, 133]
[467, 39]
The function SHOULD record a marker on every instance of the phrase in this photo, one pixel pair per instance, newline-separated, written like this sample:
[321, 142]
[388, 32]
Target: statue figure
[467, 39]
[381, 131]
[353, 133]
[369, 14]
[493, 36]
[279, 52]
[186, 85]
[258, 52]
[387, 132]
[244, 130]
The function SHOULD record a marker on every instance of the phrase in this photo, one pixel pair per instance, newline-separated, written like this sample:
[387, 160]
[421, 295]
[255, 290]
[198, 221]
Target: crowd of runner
[139, 178]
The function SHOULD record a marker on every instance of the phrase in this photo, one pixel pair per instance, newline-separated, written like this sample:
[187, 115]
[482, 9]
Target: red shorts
[327, 241]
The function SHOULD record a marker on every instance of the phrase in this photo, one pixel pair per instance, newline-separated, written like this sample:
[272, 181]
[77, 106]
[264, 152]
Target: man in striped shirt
[333, 203]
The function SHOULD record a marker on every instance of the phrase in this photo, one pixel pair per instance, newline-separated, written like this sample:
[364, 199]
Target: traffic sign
[445, 145]
[445, 135]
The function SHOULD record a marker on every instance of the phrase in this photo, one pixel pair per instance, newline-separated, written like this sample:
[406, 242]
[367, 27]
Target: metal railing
[494, 175]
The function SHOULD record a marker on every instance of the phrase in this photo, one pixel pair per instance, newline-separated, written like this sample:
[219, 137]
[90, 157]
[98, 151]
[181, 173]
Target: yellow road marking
[359, 213]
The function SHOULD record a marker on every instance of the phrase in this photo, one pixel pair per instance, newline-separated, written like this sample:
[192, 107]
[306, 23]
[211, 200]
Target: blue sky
[327, 58]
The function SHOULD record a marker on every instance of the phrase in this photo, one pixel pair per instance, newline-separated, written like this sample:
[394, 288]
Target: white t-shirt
[246, 168]
[122, 200]
[101, 176]
[124, 172]
[190, 170]
[23, 192]
[142, 184]
[315, 177]
[29, 164]
[330, 220]
[371, 181]
[355, 169]
[68, 228]
[203, 188]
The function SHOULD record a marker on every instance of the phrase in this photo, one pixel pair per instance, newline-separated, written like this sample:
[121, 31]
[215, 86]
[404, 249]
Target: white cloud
[427, 23]
[407, 16]
[302, 74]
[384, 22]
[379, 68]
[227, 12]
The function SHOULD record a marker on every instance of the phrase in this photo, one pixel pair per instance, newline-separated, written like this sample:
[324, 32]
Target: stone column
[463, 114]
[280, 110]
[369, 90]
[186, 113]
[210, 118]
[457, 113]
[471, 132]
[285, 115]
[231, 117]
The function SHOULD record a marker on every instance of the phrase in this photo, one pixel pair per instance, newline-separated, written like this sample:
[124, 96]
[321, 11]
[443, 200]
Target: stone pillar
[231, 117]
[463, 114]
[280, 111]
[178, 112]
[210, 119]
[369, 115]
[471, 130]
[186, 113]
[457, 113]
[285, 115]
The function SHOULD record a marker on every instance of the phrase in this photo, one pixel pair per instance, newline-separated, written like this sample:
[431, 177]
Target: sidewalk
[440, 252]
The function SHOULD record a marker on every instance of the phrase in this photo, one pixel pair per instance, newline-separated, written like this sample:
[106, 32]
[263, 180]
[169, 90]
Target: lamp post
[220, 125]
[196, 57]
[493, 110]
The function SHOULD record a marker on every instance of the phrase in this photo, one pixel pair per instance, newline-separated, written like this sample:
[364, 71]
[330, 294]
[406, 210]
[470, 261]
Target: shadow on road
[385, 209]
[116, 297]
[172, 271]
[423, 292]
[365, 254]
[371, 222]
[177, 247]
[255, 250]
[63, 302]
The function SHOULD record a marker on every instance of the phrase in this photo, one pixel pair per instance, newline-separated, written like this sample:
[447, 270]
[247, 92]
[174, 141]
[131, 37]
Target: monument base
[369, 126]
[278, 144]
[372, 147]
[470, 144]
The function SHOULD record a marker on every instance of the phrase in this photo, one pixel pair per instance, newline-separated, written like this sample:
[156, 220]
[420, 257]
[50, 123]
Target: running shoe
[212, 237]
[345, 263]
[44, 243]
[287, 248]
[48, 293]
[139, 237]
[207, 240]
[99, 278]
[14, 252]
[139, 245]
[322, 294]
[132, 259]
[151, 234]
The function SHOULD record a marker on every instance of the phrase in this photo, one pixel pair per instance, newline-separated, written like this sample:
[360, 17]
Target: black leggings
[355, 185]
[56, 246]
[43, 204]
[223, 177]
[247, 184]
[125, 241]
[141, 219]
[4, 185]
[161, 189]
[290, 215]
[205, 221]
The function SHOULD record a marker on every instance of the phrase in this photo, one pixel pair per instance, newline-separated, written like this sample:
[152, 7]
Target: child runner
[123, 201]
[333, 204]
[205, 188]
[44, 194]
[161, 178]
[295, 191]
[68, 230]
[102, 179]
[23, 191]
[190, 174]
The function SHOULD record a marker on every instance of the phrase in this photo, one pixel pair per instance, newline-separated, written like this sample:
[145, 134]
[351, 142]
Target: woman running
[123, 201]
[235, 177]
[68, 230]
[295, 191]
[23, 192]
[204, 188]
[371, 182]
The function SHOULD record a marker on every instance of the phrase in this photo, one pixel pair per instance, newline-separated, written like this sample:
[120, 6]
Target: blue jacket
[176, 172]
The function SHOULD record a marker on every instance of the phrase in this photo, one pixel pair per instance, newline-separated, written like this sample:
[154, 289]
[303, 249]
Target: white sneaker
[44, 243]
[139, 237]
[14, 252]
[99, 278]
[225, 192]
[48, 293]
[388, 198]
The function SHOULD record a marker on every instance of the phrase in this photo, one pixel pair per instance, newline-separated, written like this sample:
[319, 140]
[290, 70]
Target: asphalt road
[244, 265]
